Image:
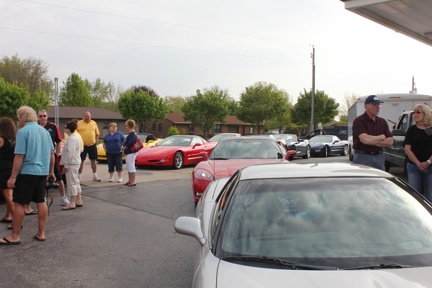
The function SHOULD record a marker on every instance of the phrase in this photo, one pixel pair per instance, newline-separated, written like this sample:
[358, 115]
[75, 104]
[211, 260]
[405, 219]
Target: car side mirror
[190, 226]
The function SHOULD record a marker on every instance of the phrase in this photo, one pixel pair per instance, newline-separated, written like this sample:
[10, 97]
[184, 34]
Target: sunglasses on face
[44, 116]
[418, 112]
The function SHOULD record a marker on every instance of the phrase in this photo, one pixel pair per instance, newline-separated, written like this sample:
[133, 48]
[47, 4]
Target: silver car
[311, 225]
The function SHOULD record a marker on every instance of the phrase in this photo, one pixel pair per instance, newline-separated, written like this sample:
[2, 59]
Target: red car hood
[226, 168]
[160, 150]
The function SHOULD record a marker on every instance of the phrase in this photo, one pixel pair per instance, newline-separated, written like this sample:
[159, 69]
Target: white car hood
[234, 275]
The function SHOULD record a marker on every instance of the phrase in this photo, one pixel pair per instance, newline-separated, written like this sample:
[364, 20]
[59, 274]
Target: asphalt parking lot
[122, 237]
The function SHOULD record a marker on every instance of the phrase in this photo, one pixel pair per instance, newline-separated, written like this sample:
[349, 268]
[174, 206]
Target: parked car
[147, 139]
[325, 145]
[231, 154]
[221, 136]
[301, 146]
[175, 151]
[302, 225]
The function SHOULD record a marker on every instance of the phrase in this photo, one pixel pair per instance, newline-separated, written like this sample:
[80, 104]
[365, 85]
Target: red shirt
[364, 124]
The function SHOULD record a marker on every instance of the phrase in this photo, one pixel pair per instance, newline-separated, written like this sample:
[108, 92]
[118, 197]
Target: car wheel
[307, 153]
[345, 151]
[325, 152]
[350, 154]
[178, 160]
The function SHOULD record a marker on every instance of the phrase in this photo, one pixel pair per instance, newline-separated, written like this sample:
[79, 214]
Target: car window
[221, 205]
[246, 149]
[341, 219]
[196, 140]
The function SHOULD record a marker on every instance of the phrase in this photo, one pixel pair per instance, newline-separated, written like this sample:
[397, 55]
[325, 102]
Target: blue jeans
[421, 182]
[376, 161]
[115, 160]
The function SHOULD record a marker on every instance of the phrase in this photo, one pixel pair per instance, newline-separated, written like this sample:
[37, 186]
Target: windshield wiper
[217, 158]
[275, 260]
[380, 266]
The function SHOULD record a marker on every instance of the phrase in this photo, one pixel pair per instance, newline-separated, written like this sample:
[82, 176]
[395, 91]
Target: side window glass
[404, 122]
[221, 204]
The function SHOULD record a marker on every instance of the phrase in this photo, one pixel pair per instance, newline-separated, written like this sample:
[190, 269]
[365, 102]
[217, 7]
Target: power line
[159, 22]
[147, 44]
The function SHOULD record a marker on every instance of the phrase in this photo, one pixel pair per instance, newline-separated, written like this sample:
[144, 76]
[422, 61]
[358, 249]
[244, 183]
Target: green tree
[173, 130]
[282, 119]
[347, 102]
[205, 109]
[38, 101]
[260, 103]
[99, 91]
[325, 108]
[30, 72]
[142, 105]
[232, 106]
[12, 97]
[75, 93]
[175, 103]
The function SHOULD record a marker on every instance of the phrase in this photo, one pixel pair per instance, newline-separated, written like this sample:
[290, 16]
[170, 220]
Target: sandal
[34, 212]
[131, 184]
[3, 220]
[68, 207]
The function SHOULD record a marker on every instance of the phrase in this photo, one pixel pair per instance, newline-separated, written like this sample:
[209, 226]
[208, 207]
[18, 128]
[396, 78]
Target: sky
[176, 47]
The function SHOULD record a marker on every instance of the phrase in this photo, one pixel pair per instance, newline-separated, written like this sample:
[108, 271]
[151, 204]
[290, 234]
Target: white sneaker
[64, 201]
[96, 178]
[120, 180]
[111, 179]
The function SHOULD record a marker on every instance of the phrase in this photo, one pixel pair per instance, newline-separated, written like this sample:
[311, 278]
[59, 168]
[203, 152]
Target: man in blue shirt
[33, 163]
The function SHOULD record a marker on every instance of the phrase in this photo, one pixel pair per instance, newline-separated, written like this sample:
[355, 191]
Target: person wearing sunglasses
[418, 148]
[56, 136]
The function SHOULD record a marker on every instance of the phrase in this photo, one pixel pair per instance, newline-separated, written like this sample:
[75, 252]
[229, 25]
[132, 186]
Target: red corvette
[175, 151]
[232, 154]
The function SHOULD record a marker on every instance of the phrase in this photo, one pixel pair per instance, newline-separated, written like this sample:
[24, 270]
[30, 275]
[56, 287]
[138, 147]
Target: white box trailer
[394, 105]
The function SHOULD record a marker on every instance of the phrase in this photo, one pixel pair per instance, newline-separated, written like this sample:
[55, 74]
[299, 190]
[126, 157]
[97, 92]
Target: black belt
[369, 153]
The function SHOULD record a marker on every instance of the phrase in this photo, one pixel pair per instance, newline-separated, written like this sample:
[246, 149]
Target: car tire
[307, 153]
[325, 152]
[345, 151]
[178, 160]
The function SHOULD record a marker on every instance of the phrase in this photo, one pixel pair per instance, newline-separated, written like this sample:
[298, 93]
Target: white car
[304, 225]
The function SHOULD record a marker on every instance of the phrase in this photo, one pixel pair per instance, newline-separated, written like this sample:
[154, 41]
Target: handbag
[137, 145]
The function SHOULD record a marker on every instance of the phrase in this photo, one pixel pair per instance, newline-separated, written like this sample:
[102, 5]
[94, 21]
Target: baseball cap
[372, 99]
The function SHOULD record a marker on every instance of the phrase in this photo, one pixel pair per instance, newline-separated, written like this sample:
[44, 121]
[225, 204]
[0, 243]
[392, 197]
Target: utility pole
[413, 87]
[313, 90]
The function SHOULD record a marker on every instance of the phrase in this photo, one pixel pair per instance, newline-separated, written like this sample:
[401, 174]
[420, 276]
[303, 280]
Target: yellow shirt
[88, 132]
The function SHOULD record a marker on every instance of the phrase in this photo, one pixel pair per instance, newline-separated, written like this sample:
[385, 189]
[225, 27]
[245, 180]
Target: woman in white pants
[71, 161]
[130, 156]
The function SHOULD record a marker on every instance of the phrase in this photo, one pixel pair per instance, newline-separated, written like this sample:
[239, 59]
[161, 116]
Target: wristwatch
[428, 161]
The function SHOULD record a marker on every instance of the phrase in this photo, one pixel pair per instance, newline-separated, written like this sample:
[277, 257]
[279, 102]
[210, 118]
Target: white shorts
[130, 162]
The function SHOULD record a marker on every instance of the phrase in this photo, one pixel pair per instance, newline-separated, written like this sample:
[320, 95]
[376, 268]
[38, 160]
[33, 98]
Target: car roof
[310, 170]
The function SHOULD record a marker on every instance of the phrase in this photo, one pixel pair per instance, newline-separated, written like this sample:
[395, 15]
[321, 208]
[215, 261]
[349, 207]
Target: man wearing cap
[370, 134]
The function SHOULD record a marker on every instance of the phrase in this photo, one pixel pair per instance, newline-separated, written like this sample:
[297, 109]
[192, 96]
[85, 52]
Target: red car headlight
[202, 174]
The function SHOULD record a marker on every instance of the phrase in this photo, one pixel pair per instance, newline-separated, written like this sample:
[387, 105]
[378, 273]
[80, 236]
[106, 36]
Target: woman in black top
[418, 148]
[8, 132]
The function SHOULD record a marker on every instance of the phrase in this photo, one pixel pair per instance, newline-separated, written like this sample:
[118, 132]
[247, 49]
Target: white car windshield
[327, 218]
